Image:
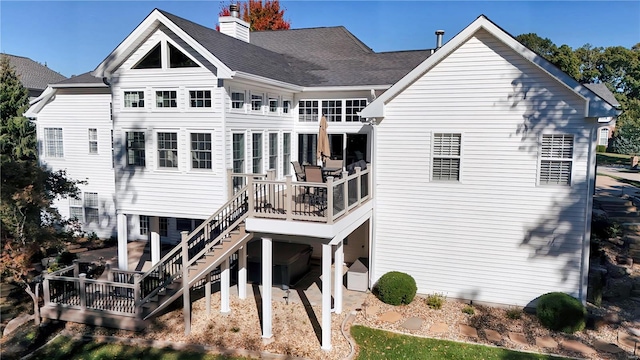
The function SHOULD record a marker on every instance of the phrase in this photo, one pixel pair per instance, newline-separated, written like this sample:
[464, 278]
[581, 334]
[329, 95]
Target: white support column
[267, 277]
[337, 270]
[326, 297]
[242, 272]
[224, 286]
[207, 294]
[123, 257]
[155, 239]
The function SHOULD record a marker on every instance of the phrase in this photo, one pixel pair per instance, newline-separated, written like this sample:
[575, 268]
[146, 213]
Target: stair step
[78, 250]
[608, 200]
[615, 214]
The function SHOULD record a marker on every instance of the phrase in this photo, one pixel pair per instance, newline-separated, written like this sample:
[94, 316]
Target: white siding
[495, 235]
[76, 111]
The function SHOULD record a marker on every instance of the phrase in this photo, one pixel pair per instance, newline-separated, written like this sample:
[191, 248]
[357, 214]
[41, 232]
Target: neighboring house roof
[33, 75]
[596, 105]
[603, 91]
[85, 79]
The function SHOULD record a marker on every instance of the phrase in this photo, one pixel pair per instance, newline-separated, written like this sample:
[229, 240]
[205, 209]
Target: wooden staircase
[128, 299]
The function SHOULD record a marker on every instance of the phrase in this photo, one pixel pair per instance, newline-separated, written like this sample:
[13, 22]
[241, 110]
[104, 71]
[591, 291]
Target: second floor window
[332, 109]
[237, 100]
[201, 151]
[308, 110]
[135, 148]
[352, 107]
[166, 99]
[93, 141]
[167, 150]
[286, 106]
[446, 157]
[53, 146]
[273, 151]
[256, 102]
[556, 159]
[134, 99]
[257, 153]
[200, 98]
[273, 105]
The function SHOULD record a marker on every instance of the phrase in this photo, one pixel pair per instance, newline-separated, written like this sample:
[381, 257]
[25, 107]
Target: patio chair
[300, 175]
[313, 174]
[333, 164]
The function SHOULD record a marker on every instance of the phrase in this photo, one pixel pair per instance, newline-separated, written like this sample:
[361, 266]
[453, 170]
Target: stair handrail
[177, 250]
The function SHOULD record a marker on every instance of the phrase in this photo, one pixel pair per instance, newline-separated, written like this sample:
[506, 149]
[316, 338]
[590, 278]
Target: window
[163, 223]
[604, 137]
[286, 106]
[93, 141]
[201, 151]
[183, 224]
[446, 157]
[257, 153]
[166, 99]
[238, 153]
[135, 148]
[286, 153]
[53, 142]
[556, 159]
[273, 105]
[75, 209]
[167, 150]
[200, 98]
[144, 225]
[134, 99]
[273, 151]
[307, 145]
[352, 107]
[332, 109]
[177, 59]
[308, 110]
[256, 102]
[91, 207]
[237, 100]
[153, 59]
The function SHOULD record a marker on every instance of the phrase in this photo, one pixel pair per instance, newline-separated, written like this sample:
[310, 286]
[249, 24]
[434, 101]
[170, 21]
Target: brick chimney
[233, 25]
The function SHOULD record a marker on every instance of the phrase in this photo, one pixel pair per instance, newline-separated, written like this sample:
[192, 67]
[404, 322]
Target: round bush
[396, 288]
[561, 312]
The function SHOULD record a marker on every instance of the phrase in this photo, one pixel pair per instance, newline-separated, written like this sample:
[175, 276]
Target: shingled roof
[603, 91]
[34, 76]
[329, 56]
[85, 78]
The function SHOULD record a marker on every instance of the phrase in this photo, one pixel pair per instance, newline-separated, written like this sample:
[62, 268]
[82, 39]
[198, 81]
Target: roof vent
[439, 34]
[235, 10]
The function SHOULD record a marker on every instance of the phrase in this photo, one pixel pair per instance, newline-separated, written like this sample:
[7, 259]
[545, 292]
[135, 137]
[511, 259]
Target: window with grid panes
[75, 209]
[604, 137]
[332, 109]
[168, 149]
[201, 151]
[257, 153]
[273, 105]
[93, 141]
[200, 98]
[166, 99]
[134, 99]
[286, 106]
[273, 151]
[308, 110]
[53, 146]
[237, 100]
[91, 207]
[286, 153]
[144, 225]
[163, 223]
[135, 148]
[556, 159]
[238, 159]
[446, 157]
[256, 102]
[352, 107]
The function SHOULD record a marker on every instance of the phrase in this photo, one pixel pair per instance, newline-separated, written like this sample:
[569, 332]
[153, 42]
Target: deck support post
[155, 239]
[82, 291]
[267, 279]
[186, 296]
[123, 257]
[326, 297]
[207, 294]
[337, 270]
[242, 272]
[225, 283]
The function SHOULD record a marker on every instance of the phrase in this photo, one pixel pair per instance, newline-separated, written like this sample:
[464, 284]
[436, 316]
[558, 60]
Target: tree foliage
[260, 14]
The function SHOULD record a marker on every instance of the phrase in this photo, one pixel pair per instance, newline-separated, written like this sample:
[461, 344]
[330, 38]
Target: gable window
[53, 142]
[257, 153]
[144, 225]
[167, 149]
[446, 157]
[91, 207]
[604, 137]
[134, 99]
[200, 98]
[332, 109]
[273, 105]
[273, 151]
[166, 99]
[163, 223]
[352, 107]
[308, 110]
[135, 148]
[177, 59]
[75, 209]
[153, 59]
[256, 102]
[556, 159]
[201, 151]
[286, 106]
[286, 153]
[93, 141]
[237, 100]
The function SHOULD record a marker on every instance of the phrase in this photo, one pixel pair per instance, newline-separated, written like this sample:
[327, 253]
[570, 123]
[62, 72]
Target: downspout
[586, 243]
[372, 219]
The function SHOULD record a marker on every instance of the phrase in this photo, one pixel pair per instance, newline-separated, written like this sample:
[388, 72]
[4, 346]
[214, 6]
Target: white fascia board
[345, 88]
[79, 85]
[276, 84]
[38, 103]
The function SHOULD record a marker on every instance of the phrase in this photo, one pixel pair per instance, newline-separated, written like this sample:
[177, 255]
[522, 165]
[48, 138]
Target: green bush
[469, 310]
[561, 312]
[396, 288]
[601, 148]
[514, 313]
[435, 301]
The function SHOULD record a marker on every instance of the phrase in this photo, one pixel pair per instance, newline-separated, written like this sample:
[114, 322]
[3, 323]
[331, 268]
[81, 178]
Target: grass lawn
[64, 348]
[378, 344]
[612, 159]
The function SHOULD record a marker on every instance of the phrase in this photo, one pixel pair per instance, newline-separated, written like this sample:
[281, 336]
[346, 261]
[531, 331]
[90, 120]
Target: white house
[479, 156]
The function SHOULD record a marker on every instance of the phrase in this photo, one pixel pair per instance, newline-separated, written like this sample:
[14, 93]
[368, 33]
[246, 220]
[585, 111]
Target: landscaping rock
[468, 331]
[629, 340]
[390, 316]
[413, 323]
[612, 318]
[617, 288]
[371, 310]
[518, 338]
[492, 335]
[546, 342]
[15, 323]
[624, 260]
[577, 346]
[607, 347]
[439, 328]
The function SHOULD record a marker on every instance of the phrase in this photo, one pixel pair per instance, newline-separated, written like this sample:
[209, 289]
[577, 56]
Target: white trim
[459, 157]
[345, 88]
[79, 85]
[275, 84]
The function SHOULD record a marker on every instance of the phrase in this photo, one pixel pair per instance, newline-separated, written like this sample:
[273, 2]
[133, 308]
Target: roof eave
[240, 75]
[38, 103]
[346, 88]
[79, 85]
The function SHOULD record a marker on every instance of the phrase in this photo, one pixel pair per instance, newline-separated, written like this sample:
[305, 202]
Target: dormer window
[153, 59]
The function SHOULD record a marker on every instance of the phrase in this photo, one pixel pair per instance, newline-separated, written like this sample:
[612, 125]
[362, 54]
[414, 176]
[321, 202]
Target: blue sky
[73, 37]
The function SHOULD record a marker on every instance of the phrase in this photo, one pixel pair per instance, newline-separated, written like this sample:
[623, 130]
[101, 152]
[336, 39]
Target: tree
[261, 15]
[626, 139]
[543, 47]
[30, 225]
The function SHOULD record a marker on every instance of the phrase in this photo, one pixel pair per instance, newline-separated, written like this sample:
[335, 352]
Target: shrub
[561, 312]
[66, 258]
[469, 310]
[601, 148]
[435, 301]
[514, 313]
[396, 288]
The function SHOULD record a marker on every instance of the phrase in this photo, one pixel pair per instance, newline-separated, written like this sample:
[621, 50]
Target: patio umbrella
[323, 141]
